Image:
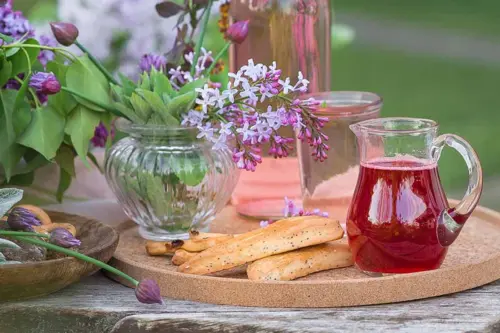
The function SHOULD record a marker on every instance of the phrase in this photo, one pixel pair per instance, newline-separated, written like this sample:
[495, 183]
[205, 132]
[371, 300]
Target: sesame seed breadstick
[282, 236]
[295, 264]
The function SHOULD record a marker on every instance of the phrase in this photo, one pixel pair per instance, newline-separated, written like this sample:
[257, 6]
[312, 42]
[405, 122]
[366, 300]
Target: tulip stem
[202, 37]
[78, 255]
[217, 57]
[22, 233]
[98, 64]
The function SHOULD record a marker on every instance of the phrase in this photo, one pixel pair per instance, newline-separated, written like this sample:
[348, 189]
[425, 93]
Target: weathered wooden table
[97, 304]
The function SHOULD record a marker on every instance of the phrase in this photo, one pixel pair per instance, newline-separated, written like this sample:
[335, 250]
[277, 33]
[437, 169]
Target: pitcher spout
[355, 128]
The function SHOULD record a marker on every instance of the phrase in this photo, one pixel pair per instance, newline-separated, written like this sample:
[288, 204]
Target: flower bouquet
[186, 133]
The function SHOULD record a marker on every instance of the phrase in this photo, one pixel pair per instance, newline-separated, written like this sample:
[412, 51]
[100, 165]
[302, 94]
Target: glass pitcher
[399, 220]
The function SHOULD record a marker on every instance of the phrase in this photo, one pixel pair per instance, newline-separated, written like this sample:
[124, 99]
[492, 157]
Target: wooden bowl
[27, 280]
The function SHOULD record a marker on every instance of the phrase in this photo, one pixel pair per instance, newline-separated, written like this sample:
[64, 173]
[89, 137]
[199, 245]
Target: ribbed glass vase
[167, 180]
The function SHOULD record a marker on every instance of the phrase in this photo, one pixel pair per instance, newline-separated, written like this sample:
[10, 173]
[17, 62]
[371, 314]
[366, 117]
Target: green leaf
[190, 169]
[11, 159]
[8, 198]
[21, 117]
[158, 107]
[129, 113]
[141, 107]
[6, 244]
[6, 38]
[20, 100]
[85, 79]
[25, 179]
[181, 104]
[128, 85]
[7, 132]
[93, 159]
[162, 85]
[34, 160]
[12, 51]
[63, 101]
[191, 86]
[64, 183]
[145, 82]
[80, 127]
[154, 189]
[22, 61]
[45, 132]
[5, 72]
[65, 158]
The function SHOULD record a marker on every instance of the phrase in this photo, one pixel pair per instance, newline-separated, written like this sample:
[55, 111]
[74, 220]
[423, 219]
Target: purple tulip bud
[148, 292]
[152, 60]
[65, 33]
[238, 32]
[45, 83]
[63, 238]
[21, 219]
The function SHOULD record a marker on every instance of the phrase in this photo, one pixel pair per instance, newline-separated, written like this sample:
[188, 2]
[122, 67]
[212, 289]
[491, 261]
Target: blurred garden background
[436, 59]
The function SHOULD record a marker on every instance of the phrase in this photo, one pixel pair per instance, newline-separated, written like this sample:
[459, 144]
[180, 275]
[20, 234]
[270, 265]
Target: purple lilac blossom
[252, 127]
[291, 210]
[46, 56]
[152, 60]
[101, 135]
[148, 292]
[22, 219]
[64, 238]
[13, 23]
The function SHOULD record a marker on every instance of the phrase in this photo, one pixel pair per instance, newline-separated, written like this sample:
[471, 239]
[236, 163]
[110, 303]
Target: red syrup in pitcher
[392, 220]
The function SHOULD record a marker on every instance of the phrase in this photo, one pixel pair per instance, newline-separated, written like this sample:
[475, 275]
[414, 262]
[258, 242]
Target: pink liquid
[392, 221]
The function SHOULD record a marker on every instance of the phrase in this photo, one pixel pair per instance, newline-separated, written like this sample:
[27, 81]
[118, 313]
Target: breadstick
[47, 228]
[191, 245]
[181, 256]
[281, 236]
[295, 264]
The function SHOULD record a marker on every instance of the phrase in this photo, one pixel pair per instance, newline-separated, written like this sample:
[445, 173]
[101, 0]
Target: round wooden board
[33, 279]
[473, 260]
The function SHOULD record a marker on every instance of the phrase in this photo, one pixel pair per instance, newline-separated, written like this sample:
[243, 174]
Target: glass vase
[297, 35]
[329, 185]
[167, 180]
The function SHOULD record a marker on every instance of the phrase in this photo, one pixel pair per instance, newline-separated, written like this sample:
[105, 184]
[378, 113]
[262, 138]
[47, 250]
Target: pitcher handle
[452, 220]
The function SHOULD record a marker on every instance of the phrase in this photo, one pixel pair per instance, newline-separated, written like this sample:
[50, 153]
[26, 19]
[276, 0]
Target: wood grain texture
[26, 280]
[472, 261]
[96, 304]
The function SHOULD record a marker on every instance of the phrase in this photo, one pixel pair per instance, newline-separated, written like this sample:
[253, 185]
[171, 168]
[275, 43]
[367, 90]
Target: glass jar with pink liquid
[296, 34]
[329, 185]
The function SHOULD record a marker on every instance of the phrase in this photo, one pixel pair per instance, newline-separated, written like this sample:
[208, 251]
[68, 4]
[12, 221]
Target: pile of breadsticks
[285, 250]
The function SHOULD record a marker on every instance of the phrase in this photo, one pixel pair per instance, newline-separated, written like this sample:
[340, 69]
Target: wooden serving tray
[473, 260]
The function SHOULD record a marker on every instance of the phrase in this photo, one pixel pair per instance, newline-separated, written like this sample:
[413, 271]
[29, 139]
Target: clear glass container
[297, 35]
[167, 180]
[329, 185]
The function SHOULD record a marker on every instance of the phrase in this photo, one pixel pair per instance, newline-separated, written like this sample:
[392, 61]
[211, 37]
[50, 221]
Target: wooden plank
[96, 304]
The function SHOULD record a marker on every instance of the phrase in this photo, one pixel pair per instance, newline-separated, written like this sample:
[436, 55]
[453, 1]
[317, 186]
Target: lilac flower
[22, 219]
[65, 33]
[46, 56]
[148, 292]
[45, 83]
[250, 126]
[152, 60]
[292, 210]
[238, 32]
[64, 238]
[101, 135]
[13, 23]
